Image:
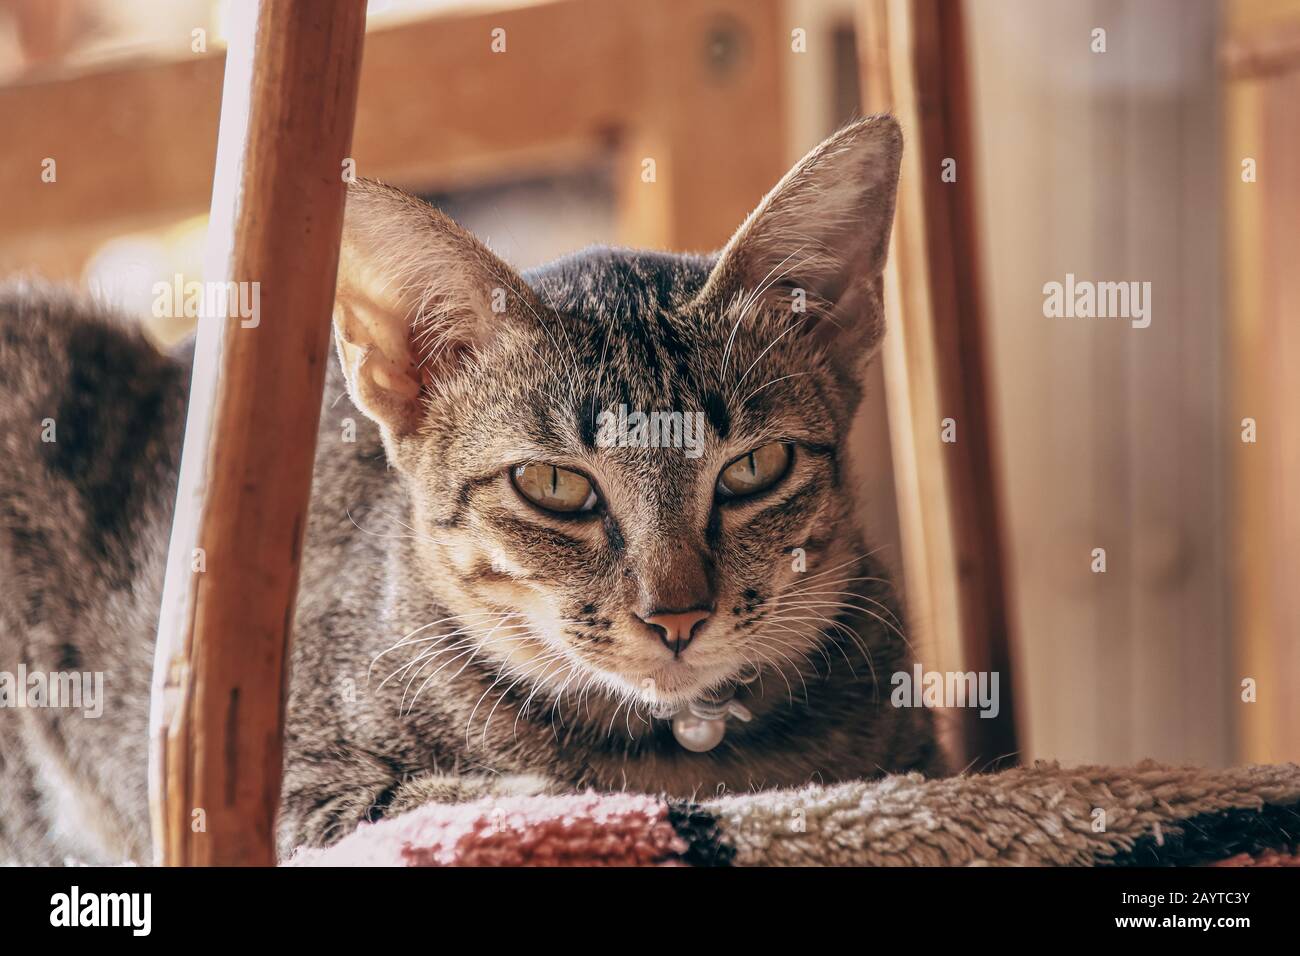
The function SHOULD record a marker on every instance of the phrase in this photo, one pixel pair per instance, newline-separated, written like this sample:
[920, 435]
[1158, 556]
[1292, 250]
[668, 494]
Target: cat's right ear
[417, 296]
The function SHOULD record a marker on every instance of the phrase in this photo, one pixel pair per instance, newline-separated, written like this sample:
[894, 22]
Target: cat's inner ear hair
[816, 245]
[416, 296]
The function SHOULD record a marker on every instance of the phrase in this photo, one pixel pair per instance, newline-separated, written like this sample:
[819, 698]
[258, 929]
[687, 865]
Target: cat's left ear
[817, 243]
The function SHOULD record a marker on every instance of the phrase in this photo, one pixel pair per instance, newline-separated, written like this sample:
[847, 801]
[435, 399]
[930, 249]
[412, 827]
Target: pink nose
[677, 628]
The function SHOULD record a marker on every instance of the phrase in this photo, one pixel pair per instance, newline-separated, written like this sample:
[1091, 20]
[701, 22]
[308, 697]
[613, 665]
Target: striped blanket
[1043, 814]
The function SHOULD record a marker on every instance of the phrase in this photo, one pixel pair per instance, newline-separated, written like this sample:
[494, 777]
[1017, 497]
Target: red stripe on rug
[585, 829]
[1265, 858]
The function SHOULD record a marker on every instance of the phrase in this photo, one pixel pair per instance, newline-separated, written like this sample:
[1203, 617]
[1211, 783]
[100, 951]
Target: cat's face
[625, 468]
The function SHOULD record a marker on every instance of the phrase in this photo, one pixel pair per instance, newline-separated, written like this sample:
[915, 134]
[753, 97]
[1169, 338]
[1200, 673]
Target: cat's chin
[674, 684]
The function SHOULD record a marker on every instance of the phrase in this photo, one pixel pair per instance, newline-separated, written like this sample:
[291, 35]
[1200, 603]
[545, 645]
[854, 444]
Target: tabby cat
[495, 597]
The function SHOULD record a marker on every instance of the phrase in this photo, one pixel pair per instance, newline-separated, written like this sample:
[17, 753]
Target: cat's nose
[676, 628]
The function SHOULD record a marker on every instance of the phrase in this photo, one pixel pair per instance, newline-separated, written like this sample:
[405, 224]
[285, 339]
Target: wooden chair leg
[224, 634]
[936, 366]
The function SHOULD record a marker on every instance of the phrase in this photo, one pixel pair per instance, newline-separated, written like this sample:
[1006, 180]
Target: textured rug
[1039, 815]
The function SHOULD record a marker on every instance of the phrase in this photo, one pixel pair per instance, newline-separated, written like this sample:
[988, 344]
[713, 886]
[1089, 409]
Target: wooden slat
[224, 632]
[128, 144]
[1279, 365]
[138, 140]
[1260, 37]
[710, 113]
[1262, 239]
[437, 104]
[936, 362]
[1265, 53]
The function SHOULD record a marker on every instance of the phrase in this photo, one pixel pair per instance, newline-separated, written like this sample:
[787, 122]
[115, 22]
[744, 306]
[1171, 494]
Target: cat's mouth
[674, 683]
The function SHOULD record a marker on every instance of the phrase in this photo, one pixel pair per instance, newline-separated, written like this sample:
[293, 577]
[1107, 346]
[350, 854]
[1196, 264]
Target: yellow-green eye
[552, 488]
[756, 471]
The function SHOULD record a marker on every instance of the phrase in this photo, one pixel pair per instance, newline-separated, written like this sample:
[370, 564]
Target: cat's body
[428, 662]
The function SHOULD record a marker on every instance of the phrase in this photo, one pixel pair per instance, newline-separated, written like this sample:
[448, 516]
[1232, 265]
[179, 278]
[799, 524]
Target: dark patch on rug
[699, 828]
[1212, 837]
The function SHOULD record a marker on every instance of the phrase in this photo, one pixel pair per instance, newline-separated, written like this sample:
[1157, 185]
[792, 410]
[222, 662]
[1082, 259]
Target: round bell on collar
[701, 724]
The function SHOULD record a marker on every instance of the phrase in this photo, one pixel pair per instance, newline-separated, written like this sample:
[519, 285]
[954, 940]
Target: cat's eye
[552, 488]
[755, 471]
